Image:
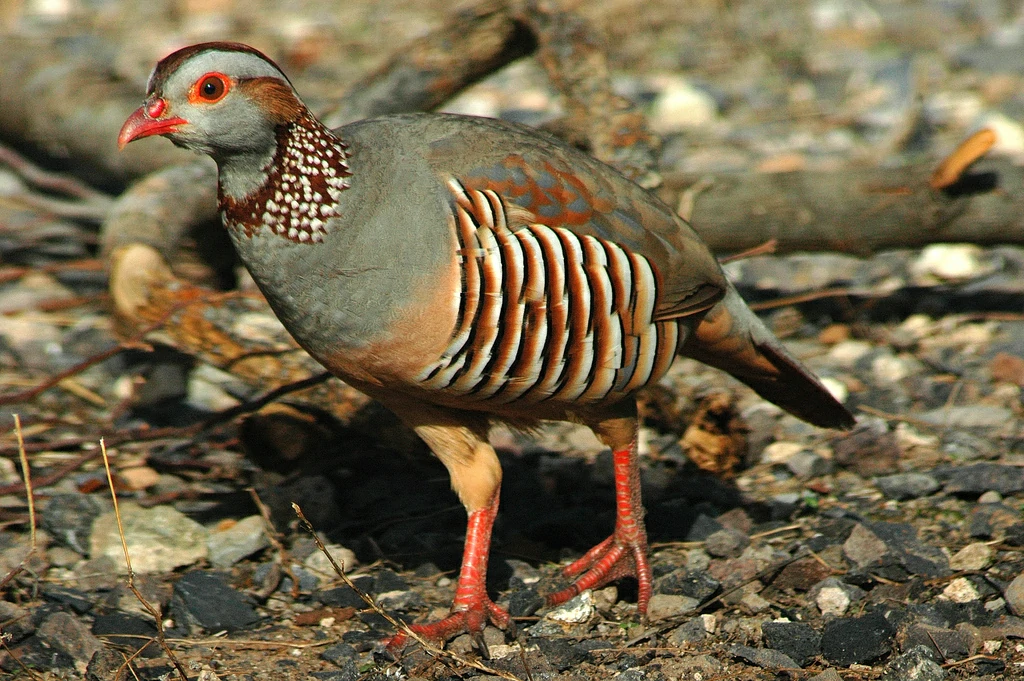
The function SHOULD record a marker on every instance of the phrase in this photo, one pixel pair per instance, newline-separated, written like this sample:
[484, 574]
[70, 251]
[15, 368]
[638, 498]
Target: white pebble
[832, 601]
[576, 611]
[680, 105]
[781, 452]
[846, 353]
[947, 262]
[961, 590]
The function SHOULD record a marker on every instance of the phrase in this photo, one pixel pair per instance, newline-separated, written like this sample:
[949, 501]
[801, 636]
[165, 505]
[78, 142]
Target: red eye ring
[209, 89]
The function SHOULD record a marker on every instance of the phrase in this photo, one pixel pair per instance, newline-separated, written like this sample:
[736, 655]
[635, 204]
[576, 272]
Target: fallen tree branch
[856, 210]
[421, 76]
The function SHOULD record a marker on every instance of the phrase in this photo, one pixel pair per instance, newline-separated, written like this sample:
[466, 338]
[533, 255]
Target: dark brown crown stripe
[547, 314]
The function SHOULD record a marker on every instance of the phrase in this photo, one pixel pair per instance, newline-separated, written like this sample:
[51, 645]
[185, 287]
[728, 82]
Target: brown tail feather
[733, 339]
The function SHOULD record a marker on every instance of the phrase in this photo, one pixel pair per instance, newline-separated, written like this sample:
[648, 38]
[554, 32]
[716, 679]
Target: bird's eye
[211, 88]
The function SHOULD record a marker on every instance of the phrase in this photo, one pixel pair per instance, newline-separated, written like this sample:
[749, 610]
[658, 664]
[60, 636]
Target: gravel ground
[892, 552]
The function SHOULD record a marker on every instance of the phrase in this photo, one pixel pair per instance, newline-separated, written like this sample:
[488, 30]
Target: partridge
[465, 271]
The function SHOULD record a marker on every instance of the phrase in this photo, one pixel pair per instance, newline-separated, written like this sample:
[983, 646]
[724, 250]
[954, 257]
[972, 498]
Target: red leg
[472, 607]
[624, 554]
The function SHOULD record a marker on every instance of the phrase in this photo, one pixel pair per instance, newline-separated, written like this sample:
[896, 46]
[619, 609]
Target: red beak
[143, 124]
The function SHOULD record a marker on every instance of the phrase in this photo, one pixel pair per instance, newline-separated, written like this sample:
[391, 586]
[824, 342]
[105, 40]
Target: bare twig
[84, 265]
[786, 301]
[28, 670]
[153, 611]
[52, 182]
[969, 151]
[767, 248]
[967, 660]
[475, 41]
[267, 398]
[133, 342]
[283, 557]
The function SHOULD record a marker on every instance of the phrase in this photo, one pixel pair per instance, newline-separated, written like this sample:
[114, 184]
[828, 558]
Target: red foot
[624, 554]
[472, 608]
[471, 621]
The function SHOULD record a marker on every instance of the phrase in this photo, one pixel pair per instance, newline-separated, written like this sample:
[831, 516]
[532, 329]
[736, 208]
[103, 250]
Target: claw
[511, 630]
[481, 644]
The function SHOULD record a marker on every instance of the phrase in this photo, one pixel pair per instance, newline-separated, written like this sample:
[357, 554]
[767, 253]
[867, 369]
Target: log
[857, 211]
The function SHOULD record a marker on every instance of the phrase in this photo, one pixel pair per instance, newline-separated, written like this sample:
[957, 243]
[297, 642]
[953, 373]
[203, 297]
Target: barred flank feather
[546, 314]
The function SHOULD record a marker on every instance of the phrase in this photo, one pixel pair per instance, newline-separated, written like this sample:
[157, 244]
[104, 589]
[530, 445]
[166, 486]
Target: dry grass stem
[152, 610]
[14, 572]
[27, 474]
[30, 498]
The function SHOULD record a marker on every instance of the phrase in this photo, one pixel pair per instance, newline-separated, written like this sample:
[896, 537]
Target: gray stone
[69, 518]
[906, 555]
[807, 464]
[829, 674]
[976, 556]
[1014, 595]
[961, 590]
[726, 543]
[799, 640]
[160, 539]
[205, 600]
[702, 528]
[339, 654]
[664, 606]
[907, 485]
[968, 416]
[70, 636]
[982, 477]
[320, 565]
[863, 547]
[685, 582]
[961, 445]
[938, 643]
[577, 610]
[784, 505]
[754, 603]
[914, 665]
[691, 631]
[238, 541]
[857, 640]
[829, 587]
[561, 653]
[764, 658]
[17, 621]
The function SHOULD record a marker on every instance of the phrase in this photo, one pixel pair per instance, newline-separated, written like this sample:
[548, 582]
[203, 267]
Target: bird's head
[222, 99]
